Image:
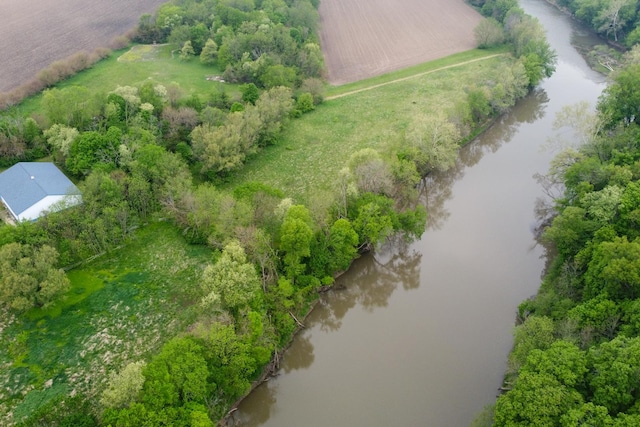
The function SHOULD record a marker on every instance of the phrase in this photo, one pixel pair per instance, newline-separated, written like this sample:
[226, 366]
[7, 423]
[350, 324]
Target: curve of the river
[421, 334]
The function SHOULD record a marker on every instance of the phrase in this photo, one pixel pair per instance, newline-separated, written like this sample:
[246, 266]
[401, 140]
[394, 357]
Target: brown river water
[421, 333]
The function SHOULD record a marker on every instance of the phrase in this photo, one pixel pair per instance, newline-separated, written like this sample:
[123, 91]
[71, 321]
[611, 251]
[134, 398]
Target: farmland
[35, 33]
[365, 38]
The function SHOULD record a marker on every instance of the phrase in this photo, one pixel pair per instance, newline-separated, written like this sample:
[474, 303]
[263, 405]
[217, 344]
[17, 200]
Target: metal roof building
[28, 189]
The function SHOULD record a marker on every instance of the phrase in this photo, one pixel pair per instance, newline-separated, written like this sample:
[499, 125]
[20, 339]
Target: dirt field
[365, 38]
[35, 33]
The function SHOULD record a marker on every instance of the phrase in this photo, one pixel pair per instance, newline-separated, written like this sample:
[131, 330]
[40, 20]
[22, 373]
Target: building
[28, 189]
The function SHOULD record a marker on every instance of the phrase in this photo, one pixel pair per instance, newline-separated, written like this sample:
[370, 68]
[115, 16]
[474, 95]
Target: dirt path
[329, 98]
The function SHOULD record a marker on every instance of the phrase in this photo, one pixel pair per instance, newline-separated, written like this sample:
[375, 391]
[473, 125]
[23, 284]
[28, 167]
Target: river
[421, 333]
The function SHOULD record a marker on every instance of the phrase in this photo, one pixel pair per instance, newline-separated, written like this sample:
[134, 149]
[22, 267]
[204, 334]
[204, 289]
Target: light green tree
[231, 280]
[124, 387]
[187, 52]
[209, 52]
[295, 239]
[29, 277]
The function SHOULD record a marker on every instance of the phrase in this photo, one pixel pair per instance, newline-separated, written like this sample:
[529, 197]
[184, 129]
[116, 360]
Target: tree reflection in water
[436, 188]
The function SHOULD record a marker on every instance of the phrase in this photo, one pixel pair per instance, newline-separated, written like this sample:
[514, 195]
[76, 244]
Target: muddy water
[420, 334]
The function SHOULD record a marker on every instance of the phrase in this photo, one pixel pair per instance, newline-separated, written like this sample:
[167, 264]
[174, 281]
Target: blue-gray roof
[26, 183]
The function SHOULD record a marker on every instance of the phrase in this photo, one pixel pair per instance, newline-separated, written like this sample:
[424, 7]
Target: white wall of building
[51, 203]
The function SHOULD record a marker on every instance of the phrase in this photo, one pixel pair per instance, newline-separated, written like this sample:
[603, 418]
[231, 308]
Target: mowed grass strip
[316, 146]
[122, 307]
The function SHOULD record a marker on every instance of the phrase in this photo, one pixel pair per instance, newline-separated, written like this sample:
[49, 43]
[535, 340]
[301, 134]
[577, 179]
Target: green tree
[343, 242]
[537, 399]
[295, 239]
[374, 221]
[176, 376]
[187, 51]
[587, 415]
[231, 280]
[614, 379]
[250, 93]
[124, 387]
[620, 101]
[614, 268]
[536, 332]
[433, 144]
[278, 75]
[209, 52]
[489, 33]
[29, 277]
[60, 137]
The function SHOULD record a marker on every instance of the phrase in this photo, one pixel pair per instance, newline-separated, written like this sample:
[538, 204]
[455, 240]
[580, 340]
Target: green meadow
[368, 114]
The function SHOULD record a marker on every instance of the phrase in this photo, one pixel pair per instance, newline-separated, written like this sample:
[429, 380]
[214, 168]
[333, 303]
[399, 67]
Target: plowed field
[35, 33]
[365, 38]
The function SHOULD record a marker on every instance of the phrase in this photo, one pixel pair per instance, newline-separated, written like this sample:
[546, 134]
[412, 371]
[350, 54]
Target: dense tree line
[269, 43]
[576, 355]
[615, 20]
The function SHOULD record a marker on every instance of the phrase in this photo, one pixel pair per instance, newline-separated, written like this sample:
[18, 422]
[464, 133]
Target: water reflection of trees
[436, 188]
[371, 281]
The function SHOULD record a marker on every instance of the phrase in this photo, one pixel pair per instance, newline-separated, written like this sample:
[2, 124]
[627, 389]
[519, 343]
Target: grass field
[313, 149]
[135, 66]
[121, 308]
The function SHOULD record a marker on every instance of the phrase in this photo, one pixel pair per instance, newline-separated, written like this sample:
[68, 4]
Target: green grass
[132, 67]
[122, 307]
[426, 67]
[315, 147]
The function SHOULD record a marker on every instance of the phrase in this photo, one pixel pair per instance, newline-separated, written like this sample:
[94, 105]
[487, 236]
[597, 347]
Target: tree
[61, 137]
[489, 33]
[614, 16]
[536, 332]
[433, 143]
[614, 268]
[620, 101]
[176, 376]
[72, 106]
[537, 399]
[370, 172]
[343, 241]
[304, 103]
[295, 239]
[187, 52]
[587, 415]
[209, 52]
[231, 280]
[374, 221]
[563, 360]
[29, 277]
[614, 377]
[124, 387]
[278, 75]
[250, 93]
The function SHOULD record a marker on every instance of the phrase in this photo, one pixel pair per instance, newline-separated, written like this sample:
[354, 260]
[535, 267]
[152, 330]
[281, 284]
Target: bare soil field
[366, 38]
[35, 33]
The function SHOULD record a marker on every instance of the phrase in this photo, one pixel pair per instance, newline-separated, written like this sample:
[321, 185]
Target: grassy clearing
[314, 148]
[121, 308]
[134, 66]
